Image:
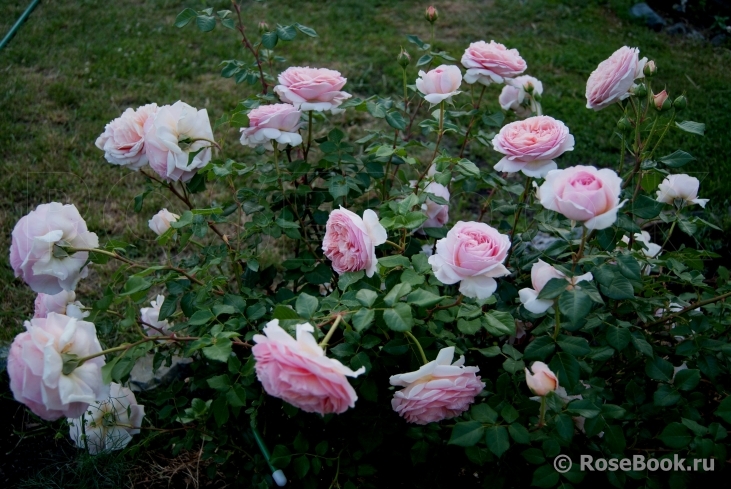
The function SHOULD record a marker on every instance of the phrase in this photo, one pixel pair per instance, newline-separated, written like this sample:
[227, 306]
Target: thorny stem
[557, 326]
[578, 255]
[418, 346]
[395, 245]
[689, 308]
[541, 421]
[388, 166]
[247, 44]
[517, 217]
[309, 133]
[670, 232]
[472, 121]
[662, 136]
[331, 331]
[436, 147]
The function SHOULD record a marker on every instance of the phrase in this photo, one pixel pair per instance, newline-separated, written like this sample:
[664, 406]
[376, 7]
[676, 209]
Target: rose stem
[517, 216]
[418, 346]
[329, 334]
[577, 256]
[541, 422]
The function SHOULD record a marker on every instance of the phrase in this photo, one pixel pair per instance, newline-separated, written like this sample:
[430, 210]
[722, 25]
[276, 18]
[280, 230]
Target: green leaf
[659, 369]
[399, 318]
[497, 439]
[399, 290]
[724, 410]
[509, 413]
[574, 345]
[553, 289]
[533, 456]
[366, 297]
[307, 31]
[219, 382]
[499, 323]
[282, 312]
[483, 413]
[614, 437]
[363, 319]
[629, 267]
[396, 120]
[220, 411]
[306, 305]
[692, 127]
[301, 466]
[490, 352]
[424, 60]
[618, 337]
[200, 317]
[168, 307]
[646, 207]
[320, 275]
[280, 457]
[545, 476]
[519, 433]
[687, 380]
[567, 368]
[467, 168]
[467, 433]
[675, 435]
[349, 278]
[583, 407]
[642, 346]
[666, 396]
[236, 396]
[695, 427]
[135, 284]
[220, 351]
[575, 304]
[185, 17]
[677, 159]
[564, 427]
[269, 40]
[469, 327]
[205, 23]
[539, 349]
[423, 298]
[618, 288]
[394, 261]
[286, 32]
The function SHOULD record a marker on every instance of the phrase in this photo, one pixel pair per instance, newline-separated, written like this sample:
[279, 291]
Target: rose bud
[661, 101]
[650, 69]
[431, 14]
[624, 124]
[639, 90]
[403, 58]
[680, 103]
[542, 381]
[263, 27]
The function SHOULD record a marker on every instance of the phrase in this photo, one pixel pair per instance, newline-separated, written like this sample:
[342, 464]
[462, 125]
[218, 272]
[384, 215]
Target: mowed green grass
[76, 65]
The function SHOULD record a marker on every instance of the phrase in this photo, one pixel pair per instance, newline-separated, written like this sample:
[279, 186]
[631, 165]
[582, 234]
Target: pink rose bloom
[62, 303]
[278, 122]
[491, 63]
[540, 274]
[109, 424]
[542, 380]
[350, 242]
[298, 371]
[161, 221]
[683, 187]
[35, 367]
[438, 390]
[312, 88]
[531, 145]
[437, 214]
[123, 139]
[583, 193]
[176, 132]
[613, 78]
[519, 93]
[150, 315]
[32, 249]
[472, 253]
[440, 84]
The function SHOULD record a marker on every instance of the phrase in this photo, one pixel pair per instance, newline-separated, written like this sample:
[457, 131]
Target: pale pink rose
[542, 380]
[438, 390]
[472, 253]
[440, 84]
[278, 122]
[62, 303]
[109, 424]
[611, 81]
[32, 249]
[659, 99]
[583, 193]
[437, 214]
[683, 187]
[540, 274]
[350, 242]
[150, 315]
[298, 371]
[308, 88]
[531, 145]
[176, 132]
[35, 367]
[161, 221]
[491, 63]
[519, 95]
[123, 139]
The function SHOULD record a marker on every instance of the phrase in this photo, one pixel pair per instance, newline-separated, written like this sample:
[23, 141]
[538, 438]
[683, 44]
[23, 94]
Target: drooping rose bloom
[491, 63]
[62, 303]
[611, 81]
[161, 221]
[109, 424]
[438, 390]
[32, 249]
[350, 242]
[542, 380]
[123, 139]
[35, 367]
[472, 253]
[297, 371]
[308, 88]
[267, 123]
[175, 133]
[440, 84]
[540, 274]
[584, 194]
[150, 315]
[682, 187]
[531, 145]
[437, 214]
[519, 95]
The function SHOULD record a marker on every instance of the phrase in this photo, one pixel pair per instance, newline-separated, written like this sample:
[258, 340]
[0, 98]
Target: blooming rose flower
[613, 78]
[472, 253]
[518, 95]
[682, 187]
[35, 367]
[161, 221]
[438, 390]
[440, 84]
[583, 193]
[123, 139]
[109, 424]
[488, 63]
[175, 133]
[540, 274]
[350, 242]
[312, 88]
[299, 372]
[32, 250]
[150, 315]
[437, 214]
[542, 380]
[62, 303]
[278, 122]
[531, 145]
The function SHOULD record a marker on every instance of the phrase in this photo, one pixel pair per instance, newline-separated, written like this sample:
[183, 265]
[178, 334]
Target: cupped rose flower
[583, 193]
[123, 139]
[267, 123]
[440, 84]
[531, 145]
[438, 390]
[150, 315]
[161, 221]
[683, 187]
[350, 241]
[472, 253]
[36, 362]
[109, 424]
[540, 274]
[611, 81]
[437, 214]
[542, 380]
[519, 95]
[297, 371]
[62, 303]
[34, 257]
[491, 63]
[308, 88]
[176, 133]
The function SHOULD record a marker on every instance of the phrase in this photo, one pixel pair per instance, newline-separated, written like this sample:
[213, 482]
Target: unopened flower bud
[639, 90]
[650, 69]
[263, 27]
[431, 14]
[624, 124]
[660, 99]
[403, 58]
[542, 380]
[680, 103]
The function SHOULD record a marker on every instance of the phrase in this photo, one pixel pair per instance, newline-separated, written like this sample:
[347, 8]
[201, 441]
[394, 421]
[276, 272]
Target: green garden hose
[18, 23]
